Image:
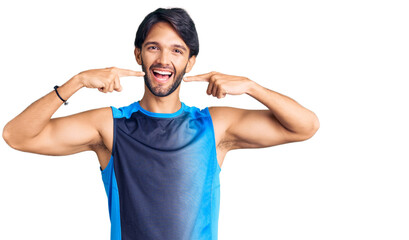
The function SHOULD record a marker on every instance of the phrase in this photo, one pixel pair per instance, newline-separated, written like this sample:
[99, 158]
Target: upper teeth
[162, 72]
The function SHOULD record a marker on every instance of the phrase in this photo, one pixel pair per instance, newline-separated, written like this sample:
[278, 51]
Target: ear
[190, 63]
[138, 55]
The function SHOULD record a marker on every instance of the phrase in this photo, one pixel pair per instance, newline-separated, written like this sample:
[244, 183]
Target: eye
[152, 48]
[178, 51]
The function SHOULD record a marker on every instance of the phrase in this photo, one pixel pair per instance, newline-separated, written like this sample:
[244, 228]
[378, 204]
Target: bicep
[252, 129]
[257, 129]
[70, 134]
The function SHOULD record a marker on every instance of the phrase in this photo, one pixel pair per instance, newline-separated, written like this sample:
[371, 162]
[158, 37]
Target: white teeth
[162, 72]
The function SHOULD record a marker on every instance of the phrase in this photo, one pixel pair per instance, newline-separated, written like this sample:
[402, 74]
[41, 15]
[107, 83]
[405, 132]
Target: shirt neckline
[161, 115]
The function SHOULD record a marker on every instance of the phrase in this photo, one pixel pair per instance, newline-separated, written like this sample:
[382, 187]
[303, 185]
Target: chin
[160, 90]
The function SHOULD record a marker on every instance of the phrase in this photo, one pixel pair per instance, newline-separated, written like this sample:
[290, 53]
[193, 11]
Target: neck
[168, 104]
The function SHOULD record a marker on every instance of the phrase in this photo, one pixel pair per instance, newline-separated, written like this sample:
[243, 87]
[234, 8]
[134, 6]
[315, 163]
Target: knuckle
[111, 75]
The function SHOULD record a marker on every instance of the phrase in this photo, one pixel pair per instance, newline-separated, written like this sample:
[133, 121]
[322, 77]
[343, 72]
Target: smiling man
[161, 159]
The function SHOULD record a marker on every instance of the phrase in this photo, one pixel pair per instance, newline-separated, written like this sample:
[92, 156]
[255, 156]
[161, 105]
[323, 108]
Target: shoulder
[224, 117]
[195, 112]
[125, 111]
[99, 118]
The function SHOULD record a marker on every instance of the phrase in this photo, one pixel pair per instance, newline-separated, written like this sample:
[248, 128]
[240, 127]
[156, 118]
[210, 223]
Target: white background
[347, 61]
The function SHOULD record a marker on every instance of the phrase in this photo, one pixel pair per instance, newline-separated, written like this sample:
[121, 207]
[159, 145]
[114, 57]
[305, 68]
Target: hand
[106, 79]
[221, 84]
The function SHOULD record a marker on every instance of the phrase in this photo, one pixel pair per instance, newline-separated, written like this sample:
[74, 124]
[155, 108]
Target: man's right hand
[106, 79]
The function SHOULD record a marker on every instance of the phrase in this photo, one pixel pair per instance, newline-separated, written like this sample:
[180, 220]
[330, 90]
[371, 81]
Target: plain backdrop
[345, 60]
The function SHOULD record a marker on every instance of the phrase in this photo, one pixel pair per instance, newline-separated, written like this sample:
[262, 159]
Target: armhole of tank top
[111, 158]
[114, 133]
[214, 139]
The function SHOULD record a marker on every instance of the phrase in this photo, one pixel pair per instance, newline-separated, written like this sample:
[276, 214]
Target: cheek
[147, 59]
[180, 64]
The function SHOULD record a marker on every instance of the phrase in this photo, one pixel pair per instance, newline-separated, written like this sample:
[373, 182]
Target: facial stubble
[158, 91]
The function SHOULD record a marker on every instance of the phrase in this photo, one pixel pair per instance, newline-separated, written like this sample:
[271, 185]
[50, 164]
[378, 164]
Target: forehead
[164, 34]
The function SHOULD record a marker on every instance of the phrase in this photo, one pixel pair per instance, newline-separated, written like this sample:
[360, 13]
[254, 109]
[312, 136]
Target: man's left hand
[221, 84]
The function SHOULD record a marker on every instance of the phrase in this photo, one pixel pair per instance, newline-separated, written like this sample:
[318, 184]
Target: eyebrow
[174, 45]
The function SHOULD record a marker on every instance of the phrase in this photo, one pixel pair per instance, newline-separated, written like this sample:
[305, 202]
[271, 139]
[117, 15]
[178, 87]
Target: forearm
[289, 113]
[35, 117]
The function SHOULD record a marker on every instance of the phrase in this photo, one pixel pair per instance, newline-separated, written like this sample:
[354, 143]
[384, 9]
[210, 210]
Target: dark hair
[180, 21]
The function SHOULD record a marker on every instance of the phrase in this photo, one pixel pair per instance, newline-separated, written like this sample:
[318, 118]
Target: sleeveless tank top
[162, 180]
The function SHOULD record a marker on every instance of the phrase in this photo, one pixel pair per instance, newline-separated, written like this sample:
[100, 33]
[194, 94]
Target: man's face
[164, 58]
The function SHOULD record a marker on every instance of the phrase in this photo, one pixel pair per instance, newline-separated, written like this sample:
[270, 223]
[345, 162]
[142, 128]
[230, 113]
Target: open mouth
[162, 76]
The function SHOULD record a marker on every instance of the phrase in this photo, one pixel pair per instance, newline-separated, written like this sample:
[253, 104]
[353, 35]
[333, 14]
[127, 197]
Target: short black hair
[180, 21]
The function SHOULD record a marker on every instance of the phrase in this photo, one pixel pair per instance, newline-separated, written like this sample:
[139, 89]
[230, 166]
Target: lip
[162, 81]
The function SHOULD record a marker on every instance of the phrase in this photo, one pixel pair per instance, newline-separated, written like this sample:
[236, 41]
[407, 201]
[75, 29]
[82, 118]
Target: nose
[164, 58]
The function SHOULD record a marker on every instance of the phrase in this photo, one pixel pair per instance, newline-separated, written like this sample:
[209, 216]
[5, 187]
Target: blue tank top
[162, 180]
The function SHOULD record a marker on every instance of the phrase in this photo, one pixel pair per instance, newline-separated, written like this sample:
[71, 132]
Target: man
[160, 159]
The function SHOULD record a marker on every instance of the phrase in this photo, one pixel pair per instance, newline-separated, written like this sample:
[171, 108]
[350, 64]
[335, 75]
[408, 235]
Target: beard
[160, 91]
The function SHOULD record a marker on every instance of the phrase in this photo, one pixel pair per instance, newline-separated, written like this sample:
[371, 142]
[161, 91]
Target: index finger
[127, 72]
[199, 78]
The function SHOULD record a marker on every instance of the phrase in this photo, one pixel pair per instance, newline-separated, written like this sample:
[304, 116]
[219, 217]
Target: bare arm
[285, 120]
[33, 130]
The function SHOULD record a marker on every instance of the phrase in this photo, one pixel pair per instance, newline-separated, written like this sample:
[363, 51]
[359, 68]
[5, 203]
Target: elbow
[313, 126]
[8, 138]
[7, 135]
[309, 129]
